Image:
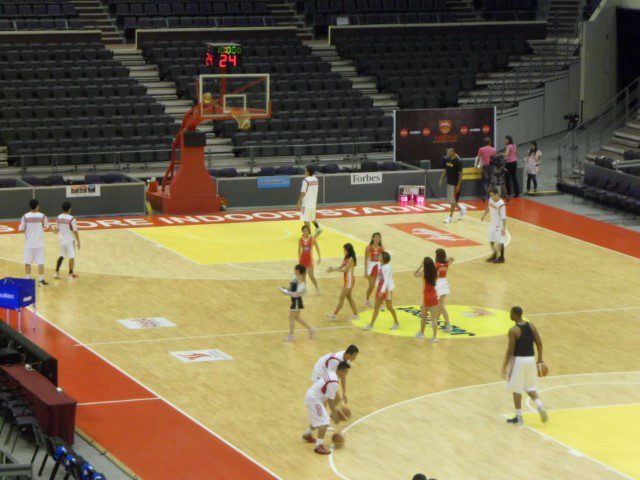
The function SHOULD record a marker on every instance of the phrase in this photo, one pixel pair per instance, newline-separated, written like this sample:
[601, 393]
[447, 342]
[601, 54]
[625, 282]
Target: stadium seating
[509, 10]
[39, 15]
[72, 103]
[428, 71]
[314, 108]
[321, 13]
[132, 14]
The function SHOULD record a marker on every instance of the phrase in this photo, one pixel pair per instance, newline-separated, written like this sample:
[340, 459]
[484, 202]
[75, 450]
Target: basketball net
[243, 117]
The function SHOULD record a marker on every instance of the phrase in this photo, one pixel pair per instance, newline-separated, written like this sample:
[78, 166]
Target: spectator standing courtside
[453, 172]
[511, 165]
[483, 160]
[532, 165]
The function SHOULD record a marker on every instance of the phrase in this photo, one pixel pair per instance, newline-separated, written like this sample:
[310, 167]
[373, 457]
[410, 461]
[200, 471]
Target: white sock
[308, 432]
[539, 404]
[319, 442]
[518, 412]
[28, 276]
[41, 277]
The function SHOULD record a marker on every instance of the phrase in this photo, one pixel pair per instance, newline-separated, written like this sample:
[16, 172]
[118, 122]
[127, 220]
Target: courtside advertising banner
[426, 134]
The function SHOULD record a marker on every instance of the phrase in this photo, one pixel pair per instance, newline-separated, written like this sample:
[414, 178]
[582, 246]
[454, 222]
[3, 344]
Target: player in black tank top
[520, 364]
[524, 343]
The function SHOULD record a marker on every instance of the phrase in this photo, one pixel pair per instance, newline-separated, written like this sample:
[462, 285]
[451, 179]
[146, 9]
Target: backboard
[248, 93]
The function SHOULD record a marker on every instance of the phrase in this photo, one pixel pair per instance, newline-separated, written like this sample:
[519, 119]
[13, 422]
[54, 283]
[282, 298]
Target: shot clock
[223, 56]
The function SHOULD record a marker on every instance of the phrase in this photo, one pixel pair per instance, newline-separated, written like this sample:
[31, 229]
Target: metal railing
[588, 136]
[240, 156]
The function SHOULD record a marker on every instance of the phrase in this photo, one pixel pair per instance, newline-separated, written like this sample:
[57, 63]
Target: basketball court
[203, 346]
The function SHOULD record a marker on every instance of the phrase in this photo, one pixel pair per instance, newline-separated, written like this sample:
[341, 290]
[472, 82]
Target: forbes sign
[366, 178]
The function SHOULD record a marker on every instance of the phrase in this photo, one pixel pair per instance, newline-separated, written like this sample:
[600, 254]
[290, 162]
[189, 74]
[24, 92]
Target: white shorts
[523, 375]
[495, 235]
[34, 256]
[68, 250]
[442, 287]
[318, 415]
[371, 266]
[308, 214]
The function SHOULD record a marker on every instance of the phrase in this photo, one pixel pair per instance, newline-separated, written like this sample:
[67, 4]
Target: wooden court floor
[418, 407]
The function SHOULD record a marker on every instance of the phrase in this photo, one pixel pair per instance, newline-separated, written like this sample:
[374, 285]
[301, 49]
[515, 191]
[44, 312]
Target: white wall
[598, 69]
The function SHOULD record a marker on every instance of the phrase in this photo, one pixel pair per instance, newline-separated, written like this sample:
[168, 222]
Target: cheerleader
[384, 292]
[372, 263]
[346, 267]
[427, 270]
[305, 254]
[296, 290]
[442, 285]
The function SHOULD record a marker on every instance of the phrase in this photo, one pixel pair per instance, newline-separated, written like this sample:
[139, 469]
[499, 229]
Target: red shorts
[306, 260]
[429, 297]
[379, 294]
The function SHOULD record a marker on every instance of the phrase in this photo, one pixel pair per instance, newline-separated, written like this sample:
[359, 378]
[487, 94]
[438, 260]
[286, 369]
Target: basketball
[341, 416]
[346, 410]
[543, 370]
[338, 440]
[244, 124]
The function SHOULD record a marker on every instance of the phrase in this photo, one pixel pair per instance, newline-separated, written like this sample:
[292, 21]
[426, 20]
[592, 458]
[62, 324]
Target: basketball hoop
[243, 117]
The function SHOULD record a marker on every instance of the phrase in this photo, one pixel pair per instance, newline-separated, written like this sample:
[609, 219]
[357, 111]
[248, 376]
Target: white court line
[457, 389]
[557, 387]
[160, 397]
[131, 230]
[595, 310]
[578, 453]
[196, 337]
[107, 402]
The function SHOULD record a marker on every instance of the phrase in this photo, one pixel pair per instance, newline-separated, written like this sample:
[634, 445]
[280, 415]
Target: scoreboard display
[223, 56]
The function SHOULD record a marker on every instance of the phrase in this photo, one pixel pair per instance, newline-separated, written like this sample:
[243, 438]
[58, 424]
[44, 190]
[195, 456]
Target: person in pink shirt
[511, 158]
[483, 160]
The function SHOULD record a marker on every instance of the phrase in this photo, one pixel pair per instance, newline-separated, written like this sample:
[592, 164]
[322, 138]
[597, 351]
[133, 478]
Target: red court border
[157, 440]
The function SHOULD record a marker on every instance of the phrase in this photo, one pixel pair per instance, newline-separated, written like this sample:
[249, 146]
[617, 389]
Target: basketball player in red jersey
[372, 263]
[442, 285]
[305, 254]
[427, 270]
[347, 268]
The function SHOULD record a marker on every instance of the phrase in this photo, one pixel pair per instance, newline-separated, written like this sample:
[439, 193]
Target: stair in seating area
[95, 16]
[387, 102]
[563, 18]
[462, 9]
[622, 139]
[284, 11]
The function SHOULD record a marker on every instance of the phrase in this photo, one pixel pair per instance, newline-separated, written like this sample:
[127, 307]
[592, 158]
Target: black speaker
[8, 356]
[195, 139]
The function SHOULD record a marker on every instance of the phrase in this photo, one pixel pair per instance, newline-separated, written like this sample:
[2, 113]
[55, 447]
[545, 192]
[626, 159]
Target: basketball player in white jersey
[329, 363]
[34, 224]
[497, 210]
[323, 391]
[308, 199]
[69, 239]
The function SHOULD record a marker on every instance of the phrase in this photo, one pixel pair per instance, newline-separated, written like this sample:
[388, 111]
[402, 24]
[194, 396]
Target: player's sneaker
[382, 308]
[543, 415]
[318, 292]
[312, 333]
[491, 259]
[56, 276]
[448, 220]
[420, 335]
[289, 338]
[318, 232]
[367, 303]
[517, 420]
[321, 450]
[307, 437]
[448, 329]
[353, 317]
[498, 260]
[368, 327]
[395, 326]
[434, 340]
[463, 212]
[332, 317]
[43, 283]
[73, 275]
